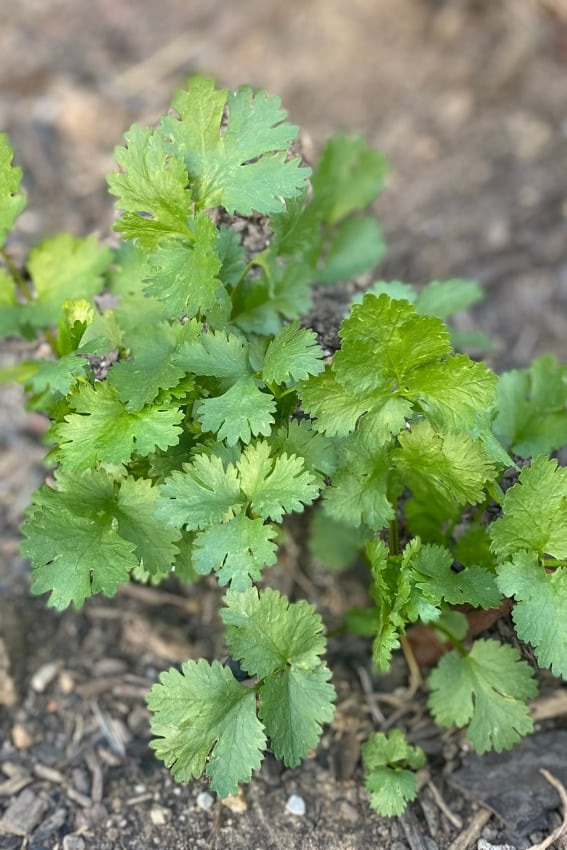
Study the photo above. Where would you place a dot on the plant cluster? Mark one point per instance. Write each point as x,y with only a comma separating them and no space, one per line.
191,412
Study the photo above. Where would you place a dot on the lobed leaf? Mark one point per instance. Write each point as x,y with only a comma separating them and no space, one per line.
204,493
275,486
75,556
243,166
267,633
12,199
292,355
485,690
103,431
539,612
242,412
237,550
535,513
205,721
151,189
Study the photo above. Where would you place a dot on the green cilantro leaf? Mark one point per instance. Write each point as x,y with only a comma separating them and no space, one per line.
125,504
12,199
103,431
532,408
56,376
236,550
267,633
285,294
335,409
62,265
282,643
294,705
535,513
443,298
384,342
337,545
185,274
539,612
242,167
449,469
397,602
389,763
359,491
231,254
215,354
457,395
139,379
338,409
151,189
205,492
348,177
356,246
205,721
75,556
300,438
137,522
433,574
292,355
275,486
485,689
242,412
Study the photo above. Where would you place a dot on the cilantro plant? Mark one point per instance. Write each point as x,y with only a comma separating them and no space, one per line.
191,412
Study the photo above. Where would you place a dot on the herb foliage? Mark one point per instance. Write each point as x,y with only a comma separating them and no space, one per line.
222,415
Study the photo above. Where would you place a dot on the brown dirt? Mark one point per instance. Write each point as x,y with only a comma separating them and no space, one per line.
469,100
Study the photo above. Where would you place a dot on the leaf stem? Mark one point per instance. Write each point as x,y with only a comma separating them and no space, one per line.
455,642
16,274
393,538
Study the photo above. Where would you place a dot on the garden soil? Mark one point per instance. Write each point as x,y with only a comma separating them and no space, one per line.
469,102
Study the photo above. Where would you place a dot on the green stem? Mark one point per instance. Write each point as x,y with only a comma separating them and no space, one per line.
457,644
51,339
16,274
554,562
393,538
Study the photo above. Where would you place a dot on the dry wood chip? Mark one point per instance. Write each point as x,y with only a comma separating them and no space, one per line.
549,707
473,830
414,833
13,785
561,830
93,765
8,693
24,814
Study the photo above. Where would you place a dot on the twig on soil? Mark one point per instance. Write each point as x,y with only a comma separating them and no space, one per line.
50,774
415,677
549,707
93,765
366,685
442,805
562,828
109,731
412,831
215,829
472,832
153,596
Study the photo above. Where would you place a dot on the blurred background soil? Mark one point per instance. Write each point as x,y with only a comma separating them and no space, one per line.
468,99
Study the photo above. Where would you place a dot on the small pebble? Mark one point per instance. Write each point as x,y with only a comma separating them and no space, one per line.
159,815
205,800
236,803
73,842
21,738
295,805
43,677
